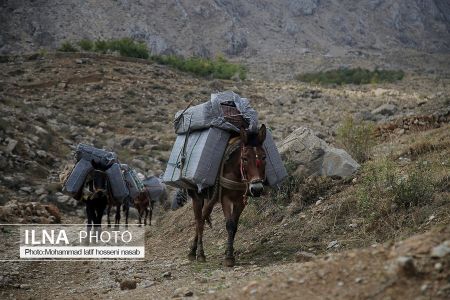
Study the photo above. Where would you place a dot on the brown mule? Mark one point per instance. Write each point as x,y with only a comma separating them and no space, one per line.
242,174
144,204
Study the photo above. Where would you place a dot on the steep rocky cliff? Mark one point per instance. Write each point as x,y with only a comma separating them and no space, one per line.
261,28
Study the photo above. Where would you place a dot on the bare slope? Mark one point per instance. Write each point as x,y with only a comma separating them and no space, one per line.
274,34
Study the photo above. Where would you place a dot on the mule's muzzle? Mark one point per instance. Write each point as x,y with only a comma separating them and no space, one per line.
256,188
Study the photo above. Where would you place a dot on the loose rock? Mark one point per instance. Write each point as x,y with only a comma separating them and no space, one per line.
128,284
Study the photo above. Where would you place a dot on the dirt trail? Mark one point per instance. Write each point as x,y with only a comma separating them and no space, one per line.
371,273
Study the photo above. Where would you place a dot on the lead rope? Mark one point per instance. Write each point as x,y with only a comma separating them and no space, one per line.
244,178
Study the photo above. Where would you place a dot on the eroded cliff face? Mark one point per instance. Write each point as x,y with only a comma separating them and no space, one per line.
262,28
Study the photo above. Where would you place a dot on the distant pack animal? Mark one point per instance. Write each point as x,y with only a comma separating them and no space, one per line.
154,191
95,194
98,197
242,173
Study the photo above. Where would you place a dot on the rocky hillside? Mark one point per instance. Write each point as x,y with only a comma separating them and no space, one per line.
275,36
51,102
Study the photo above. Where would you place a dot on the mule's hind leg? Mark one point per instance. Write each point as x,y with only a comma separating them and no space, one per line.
197,204
117,218
150,213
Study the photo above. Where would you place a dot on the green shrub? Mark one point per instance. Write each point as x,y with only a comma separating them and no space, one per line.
414,188
357,137
218,68
385,187
289,187
126,47
352,76
129,48
86,45
101,46
67,47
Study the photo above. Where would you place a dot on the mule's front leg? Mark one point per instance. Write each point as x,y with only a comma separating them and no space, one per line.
150,214
127,211
232,220
108,212
140,216
145,217
193,251
117,220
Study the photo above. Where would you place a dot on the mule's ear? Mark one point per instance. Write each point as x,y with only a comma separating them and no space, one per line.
262,134
244,136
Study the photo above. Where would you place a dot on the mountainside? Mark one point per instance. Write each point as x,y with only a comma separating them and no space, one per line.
260,31
313,242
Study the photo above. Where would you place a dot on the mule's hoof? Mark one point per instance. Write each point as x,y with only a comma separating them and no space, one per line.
201,258
229,262
191,256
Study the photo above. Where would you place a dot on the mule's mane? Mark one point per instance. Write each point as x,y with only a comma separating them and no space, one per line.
252,140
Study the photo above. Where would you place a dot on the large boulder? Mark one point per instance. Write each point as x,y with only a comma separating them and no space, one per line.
313,156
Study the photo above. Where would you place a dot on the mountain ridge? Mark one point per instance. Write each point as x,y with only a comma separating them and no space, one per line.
262,30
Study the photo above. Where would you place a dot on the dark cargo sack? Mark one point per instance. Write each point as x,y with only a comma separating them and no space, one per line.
196,163
275,170
156,188
76,179
119,189
131,184
99,156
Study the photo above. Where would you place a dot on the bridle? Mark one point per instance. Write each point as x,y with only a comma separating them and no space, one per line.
244,176
244,184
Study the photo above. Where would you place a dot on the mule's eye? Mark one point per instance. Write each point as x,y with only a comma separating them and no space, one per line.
245,160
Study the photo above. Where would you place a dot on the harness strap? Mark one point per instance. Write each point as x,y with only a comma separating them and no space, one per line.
225,183
232,185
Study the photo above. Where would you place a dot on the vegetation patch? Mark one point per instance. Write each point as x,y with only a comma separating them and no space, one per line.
386,187
67,47
352,76
125,47
288,188
86,45
357,137
217,68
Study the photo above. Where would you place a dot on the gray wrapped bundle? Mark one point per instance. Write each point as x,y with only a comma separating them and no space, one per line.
131,182
155,187
76,179
119,189
275,170
202,157
211,114
99,156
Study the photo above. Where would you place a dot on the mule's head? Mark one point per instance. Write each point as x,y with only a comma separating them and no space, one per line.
253,160
99,183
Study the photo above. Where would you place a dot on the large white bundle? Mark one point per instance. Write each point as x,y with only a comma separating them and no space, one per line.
202,157
275,170
76,179
211,114
119,189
